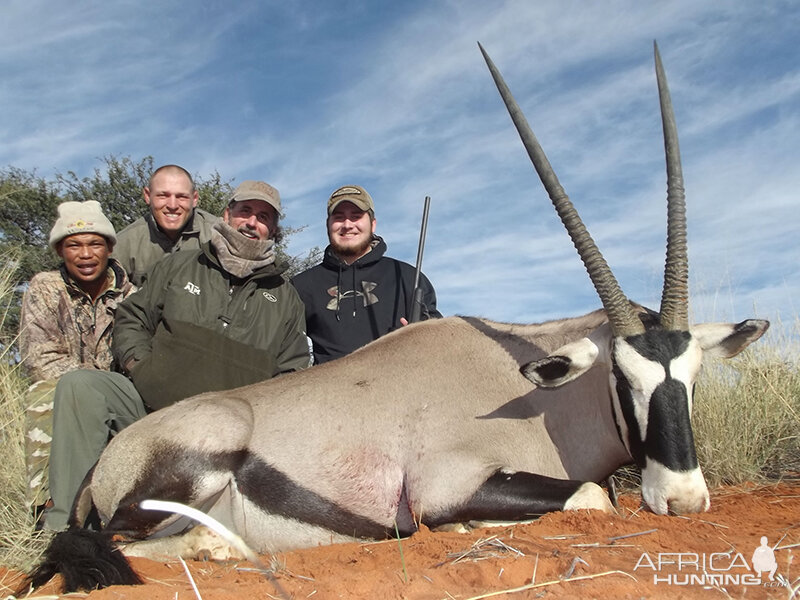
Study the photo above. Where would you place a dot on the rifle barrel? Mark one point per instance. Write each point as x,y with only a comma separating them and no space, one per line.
416,306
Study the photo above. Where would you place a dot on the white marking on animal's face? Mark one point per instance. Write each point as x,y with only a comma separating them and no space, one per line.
678,492
686,367
643,376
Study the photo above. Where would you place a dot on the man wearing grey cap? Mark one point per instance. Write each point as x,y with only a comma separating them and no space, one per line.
212,319
65,324
357,293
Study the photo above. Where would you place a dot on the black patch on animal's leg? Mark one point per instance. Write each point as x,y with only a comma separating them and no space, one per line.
171,476
273,492
511,497
268,488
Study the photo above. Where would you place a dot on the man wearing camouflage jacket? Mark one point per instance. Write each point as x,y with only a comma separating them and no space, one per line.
66,323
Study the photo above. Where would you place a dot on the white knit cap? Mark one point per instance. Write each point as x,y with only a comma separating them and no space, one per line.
81,217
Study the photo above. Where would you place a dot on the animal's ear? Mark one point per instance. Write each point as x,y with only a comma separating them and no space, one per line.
563,365
725,340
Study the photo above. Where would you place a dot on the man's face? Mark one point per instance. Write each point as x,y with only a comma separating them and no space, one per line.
254,219
350,231
171,200
85,256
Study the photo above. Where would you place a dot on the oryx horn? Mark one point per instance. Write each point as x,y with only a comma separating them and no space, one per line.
675,297
623,319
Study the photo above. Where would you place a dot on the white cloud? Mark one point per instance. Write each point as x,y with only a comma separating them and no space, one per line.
311,96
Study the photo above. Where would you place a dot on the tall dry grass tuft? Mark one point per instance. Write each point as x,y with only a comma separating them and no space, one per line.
747,413
20,545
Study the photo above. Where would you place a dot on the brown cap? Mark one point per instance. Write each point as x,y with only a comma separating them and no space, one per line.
351,193
256,190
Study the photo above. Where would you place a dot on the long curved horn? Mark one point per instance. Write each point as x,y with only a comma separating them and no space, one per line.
675,297
623,319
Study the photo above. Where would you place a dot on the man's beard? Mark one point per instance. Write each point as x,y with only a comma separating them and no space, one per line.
351,252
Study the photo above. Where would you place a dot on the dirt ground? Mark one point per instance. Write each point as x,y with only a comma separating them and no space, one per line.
582,554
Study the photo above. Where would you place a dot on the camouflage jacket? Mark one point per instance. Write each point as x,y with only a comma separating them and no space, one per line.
61,329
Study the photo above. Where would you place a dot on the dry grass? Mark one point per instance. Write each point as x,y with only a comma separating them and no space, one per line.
747,414
20,545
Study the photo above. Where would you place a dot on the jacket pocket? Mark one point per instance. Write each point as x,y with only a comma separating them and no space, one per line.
188,360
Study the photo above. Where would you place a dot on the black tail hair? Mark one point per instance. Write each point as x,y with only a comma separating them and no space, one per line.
86,559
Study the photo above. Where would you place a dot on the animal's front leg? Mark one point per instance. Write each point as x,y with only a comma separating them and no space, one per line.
199,543
523,496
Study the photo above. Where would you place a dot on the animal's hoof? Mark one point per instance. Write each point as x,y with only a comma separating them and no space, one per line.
590,495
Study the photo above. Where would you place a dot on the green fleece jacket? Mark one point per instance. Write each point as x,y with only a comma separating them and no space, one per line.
142,243
195,328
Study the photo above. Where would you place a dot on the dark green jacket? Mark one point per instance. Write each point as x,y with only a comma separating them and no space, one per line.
194,328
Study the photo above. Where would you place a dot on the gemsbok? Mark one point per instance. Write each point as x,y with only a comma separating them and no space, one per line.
444,421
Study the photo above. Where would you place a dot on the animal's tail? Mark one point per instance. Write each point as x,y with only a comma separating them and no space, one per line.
86,559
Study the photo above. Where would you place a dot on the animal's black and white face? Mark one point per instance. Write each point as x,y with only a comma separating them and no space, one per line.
653,379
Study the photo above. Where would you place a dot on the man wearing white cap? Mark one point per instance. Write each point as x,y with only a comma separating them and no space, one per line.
212,319
66,322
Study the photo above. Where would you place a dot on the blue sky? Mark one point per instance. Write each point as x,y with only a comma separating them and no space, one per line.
395,96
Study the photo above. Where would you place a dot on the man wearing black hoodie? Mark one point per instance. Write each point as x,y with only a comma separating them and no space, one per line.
357,294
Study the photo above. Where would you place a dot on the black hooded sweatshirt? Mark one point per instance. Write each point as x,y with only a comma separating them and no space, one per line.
348,306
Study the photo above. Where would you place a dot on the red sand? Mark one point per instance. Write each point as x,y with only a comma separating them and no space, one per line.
578,554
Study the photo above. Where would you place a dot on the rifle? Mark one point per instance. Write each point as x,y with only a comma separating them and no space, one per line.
416,306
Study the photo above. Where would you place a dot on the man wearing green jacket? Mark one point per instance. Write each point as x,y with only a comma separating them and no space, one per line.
173,223
212,319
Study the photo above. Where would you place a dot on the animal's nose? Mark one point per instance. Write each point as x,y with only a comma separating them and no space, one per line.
694,503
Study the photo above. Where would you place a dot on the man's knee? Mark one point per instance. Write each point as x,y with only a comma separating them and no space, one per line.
81,392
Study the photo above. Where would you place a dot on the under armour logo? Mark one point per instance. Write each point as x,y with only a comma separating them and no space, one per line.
367,294
192,288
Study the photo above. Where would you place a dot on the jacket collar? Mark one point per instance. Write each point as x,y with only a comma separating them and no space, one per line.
188,229
115,270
